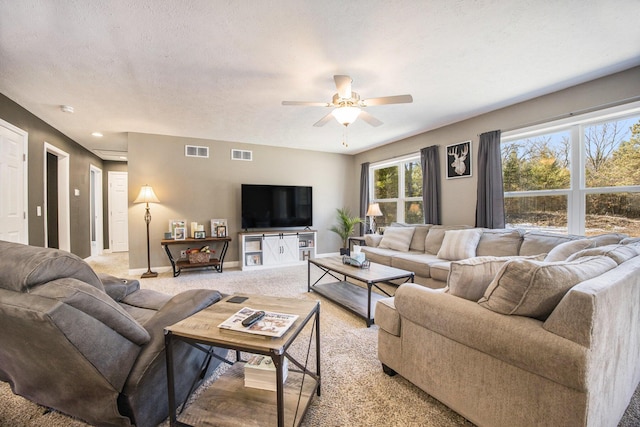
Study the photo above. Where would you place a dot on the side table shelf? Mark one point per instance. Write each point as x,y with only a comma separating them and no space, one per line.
180,264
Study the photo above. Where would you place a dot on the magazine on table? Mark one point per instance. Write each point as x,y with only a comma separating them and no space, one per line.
271,325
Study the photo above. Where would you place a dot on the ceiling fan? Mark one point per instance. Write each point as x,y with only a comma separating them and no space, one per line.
348,106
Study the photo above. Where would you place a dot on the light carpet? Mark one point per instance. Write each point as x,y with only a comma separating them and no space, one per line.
355,391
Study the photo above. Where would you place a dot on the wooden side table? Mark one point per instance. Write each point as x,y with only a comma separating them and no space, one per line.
179,264
356,240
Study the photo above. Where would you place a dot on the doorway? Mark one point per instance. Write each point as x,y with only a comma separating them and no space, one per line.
14,225
57,223
95,210
118,211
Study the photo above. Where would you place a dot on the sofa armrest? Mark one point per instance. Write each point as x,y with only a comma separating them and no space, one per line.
516,340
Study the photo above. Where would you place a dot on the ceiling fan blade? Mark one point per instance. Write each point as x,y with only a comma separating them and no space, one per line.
397,99
323,121
369,119
308,104
343,84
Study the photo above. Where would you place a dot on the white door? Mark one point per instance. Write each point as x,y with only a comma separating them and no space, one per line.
118,215
13,184
95,210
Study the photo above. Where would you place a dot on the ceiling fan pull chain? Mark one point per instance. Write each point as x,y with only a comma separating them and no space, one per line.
344,136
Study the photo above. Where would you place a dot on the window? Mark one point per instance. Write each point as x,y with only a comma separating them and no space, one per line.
578,176
397,187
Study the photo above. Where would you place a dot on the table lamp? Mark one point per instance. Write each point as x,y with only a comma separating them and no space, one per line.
372,212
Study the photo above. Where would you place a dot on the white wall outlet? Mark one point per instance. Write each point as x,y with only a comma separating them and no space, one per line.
183,254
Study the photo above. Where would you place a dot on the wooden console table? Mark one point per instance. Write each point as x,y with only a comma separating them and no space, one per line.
179,264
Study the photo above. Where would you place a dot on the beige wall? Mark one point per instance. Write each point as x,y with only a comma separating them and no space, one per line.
459,195
198,189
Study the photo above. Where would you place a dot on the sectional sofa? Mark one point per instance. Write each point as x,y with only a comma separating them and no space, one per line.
533,339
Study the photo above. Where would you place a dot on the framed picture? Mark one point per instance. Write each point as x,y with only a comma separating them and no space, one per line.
302,243
253,259
215,223
459,160
180,233
199,234
221,231
176,223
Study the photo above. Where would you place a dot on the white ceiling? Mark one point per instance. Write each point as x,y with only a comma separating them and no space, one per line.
219,69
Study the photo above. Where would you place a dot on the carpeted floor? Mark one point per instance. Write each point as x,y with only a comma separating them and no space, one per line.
355,391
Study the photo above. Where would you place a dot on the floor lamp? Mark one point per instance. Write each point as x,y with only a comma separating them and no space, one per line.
147,195
372,212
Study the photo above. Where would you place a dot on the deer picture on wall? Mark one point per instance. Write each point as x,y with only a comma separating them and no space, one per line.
459,160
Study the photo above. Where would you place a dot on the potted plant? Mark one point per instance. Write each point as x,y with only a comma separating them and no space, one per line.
345,227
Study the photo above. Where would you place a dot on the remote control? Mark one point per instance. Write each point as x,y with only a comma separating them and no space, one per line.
253,318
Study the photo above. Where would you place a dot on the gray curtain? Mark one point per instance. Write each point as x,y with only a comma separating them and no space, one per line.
490,203
364,195
430,161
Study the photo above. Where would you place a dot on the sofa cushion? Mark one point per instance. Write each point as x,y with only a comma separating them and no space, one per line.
533,288
618,253
470,278
499,242
566,249
435,236
459,244
397,238
419,236
380,255
419,263
440,270
541,242
608,238
40,265
96,304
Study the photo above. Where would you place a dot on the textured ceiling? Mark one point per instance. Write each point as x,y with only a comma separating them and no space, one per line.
219,69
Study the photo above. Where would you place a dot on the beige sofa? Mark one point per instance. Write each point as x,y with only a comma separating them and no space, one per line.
549,343
417,248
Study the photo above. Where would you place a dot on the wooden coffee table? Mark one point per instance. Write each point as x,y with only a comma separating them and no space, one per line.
354,298
228,402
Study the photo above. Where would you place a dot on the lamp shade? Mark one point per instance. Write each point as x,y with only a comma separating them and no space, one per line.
146,195
346,115
374,210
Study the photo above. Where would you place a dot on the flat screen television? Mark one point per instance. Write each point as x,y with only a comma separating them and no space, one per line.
276,206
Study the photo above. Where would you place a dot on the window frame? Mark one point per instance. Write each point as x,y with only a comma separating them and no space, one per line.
577,191
401,199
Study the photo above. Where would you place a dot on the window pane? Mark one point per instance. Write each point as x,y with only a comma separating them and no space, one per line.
540,212
613,213
612,153
413,213
537,163
412,179
389,214
386,183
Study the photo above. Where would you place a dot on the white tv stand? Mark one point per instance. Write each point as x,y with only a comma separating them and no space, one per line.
272,248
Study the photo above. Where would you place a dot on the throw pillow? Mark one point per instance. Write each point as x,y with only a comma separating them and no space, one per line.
397,238
566,249
534,288
470,278
459,244
618,253
434,238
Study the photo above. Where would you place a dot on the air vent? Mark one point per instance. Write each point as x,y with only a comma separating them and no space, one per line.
195,151
245,155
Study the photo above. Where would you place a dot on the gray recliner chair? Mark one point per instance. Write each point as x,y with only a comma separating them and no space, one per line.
92,347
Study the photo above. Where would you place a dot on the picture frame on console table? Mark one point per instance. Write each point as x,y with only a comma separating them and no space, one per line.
221,231
459,160
180,233
215,223
176,223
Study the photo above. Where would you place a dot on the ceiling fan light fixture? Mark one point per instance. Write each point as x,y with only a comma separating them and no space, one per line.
346,115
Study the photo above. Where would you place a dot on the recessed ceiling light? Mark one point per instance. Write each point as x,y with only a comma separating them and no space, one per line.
97,134
66,109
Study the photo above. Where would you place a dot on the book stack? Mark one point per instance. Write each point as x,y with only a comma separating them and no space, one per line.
260,372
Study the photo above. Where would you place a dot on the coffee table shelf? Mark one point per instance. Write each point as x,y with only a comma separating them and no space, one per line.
360,301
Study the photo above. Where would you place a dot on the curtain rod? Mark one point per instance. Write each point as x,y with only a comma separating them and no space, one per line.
574,113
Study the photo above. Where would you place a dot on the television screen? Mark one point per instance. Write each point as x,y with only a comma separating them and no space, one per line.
276,206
